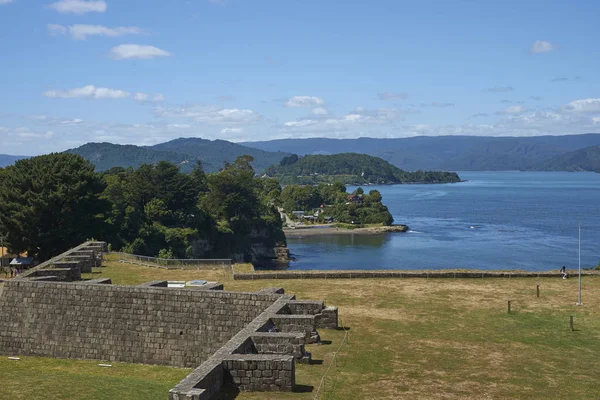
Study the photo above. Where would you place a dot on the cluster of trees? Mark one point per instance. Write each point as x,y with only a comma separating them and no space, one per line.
363,209
350,168
51,203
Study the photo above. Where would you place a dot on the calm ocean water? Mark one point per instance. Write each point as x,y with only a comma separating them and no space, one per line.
496,220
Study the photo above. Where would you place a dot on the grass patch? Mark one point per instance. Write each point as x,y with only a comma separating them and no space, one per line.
408,338
49,378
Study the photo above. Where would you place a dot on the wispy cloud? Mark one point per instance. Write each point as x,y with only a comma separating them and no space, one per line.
79,6
136,51
437,104
304,101
211,114
392,96
146,98
89,91
541,46
320,111
591,105
512,110
479,115
536,98
566,79
500,89
81,32
2,2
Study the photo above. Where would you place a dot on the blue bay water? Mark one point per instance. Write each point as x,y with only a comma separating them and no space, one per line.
495,220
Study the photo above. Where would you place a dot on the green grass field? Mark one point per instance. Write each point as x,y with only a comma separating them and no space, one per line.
408,339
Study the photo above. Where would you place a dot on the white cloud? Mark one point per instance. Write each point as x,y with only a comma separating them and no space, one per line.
229,131
591,105
211,114
500,89
320,111
136,51
437,104
146,98
541,46
79,6
392,96
179,126
56,30
5,2
512,110
304,101
89,91
81,32
301,123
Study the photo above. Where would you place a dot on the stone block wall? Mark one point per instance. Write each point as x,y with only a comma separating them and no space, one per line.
79,259
281,343
167,326
261,373
328,318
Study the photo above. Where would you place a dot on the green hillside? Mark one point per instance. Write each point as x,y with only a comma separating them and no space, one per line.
105,156
182,152
215,152
586,159
350,168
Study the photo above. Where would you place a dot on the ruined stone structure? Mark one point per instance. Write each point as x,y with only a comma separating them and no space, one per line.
250,340
69,266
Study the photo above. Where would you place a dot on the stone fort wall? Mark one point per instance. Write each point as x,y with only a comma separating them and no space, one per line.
150,325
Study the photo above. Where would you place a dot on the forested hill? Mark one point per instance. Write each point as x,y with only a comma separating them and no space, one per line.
183,152
446,153
215,152
586,159
350,168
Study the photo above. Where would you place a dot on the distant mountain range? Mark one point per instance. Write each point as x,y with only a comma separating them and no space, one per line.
586,159
6,160
448,153
444,153
183,152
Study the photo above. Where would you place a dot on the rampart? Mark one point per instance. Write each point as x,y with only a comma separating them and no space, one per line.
350,274
152,325
68,266
249,340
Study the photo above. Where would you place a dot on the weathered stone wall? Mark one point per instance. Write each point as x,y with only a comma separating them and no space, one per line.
344,274
149,325
68,266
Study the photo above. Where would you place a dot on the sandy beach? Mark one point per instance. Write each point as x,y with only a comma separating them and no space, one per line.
324,230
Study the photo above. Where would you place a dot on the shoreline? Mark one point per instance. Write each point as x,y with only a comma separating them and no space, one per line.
327,230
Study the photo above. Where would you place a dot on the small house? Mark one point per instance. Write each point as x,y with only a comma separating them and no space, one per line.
22,262
354,198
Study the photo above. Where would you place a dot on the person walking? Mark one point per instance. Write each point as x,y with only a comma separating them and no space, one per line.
563,271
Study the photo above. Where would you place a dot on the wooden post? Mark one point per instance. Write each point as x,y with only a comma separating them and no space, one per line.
538,290
508,306
571,323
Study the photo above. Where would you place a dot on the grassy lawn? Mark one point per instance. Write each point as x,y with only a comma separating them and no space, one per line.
408,338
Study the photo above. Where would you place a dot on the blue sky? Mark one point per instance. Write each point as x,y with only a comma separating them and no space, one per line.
146,71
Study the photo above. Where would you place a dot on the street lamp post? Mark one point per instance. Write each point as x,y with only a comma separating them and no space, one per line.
579,303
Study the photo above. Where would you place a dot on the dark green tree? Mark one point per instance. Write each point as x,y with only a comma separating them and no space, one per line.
50,203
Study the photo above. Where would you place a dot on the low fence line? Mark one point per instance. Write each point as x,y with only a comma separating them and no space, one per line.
166,263
332,362
403,274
